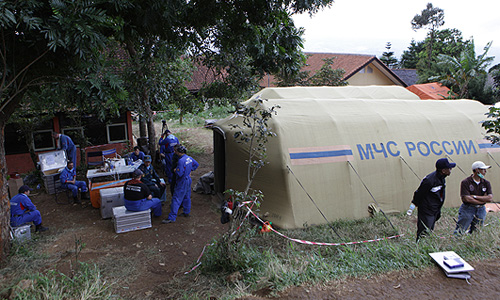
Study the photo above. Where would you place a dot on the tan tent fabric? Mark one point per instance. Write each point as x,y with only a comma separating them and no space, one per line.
322,131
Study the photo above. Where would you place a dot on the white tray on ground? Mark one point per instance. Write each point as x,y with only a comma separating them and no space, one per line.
439,259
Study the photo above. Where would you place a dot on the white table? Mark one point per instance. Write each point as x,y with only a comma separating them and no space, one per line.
115,172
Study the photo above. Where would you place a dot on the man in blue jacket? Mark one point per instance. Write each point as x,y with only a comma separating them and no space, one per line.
137,154
137,195
167,143
151,178
22,210
68,181
182,190
429,197
65,143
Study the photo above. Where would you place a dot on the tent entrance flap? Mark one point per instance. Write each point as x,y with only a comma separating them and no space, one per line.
219,161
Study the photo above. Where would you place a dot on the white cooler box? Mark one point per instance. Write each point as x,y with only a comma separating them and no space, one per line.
126,220
111,197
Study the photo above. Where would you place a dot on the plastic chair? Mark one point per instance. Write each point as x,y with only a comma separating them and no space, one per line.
60,189
95,158
110,152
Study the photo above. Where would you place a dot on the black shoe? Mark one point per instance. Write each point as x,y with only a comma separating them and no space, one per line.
167,221
76,200
185,215
86,196
40,228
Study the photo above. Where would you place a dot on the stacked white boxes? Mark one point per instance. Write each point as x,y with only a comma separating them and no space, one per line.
110,197
126,220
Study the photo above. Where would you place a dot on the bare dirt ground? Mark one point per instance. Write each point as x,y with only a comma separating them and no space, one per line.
152,258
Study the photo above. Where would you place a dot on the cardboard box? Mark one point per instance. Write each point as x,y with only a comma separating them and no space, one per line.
14,185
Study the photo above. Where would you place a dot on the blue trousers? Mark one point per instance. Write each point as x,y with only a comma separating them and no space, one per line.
71,155
144,204
74,187
470,216
182,196
31,216
168,166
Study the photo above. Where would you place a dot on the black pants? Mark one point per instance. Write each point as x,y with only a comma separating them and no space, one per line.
426,221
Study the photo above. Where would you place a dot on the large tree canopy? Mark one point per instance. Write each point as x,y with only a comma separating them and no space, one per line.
47,41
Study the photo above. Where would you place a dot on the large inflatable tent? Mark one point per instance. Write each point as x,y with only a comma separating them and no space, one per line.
349,147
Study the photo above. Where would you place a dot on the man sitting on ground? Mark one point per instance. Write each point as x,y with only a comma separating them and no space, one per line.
22,210
68,181
137,196
151,178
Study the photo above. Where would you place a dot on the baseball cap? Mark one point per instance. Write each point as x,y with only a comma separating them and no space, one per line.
137,172
443,163
147,158
24,188
479,165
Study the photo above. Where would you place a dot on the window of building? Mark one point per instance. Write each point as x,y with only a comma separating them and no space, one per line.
76,135
369,69
117,132
42,140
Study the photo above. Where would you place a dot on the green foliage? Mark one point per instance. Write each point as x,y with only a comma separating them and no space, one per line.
431,17
254,131
87,283
388,57
461,71
325,76
492,125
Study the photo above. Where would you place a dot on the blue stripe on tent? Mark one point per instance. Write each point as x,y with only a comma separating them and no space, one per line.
318,154
488,145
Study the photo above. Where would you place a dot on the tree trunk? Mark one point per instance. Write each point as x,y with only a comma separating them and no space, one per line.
151,135
142,127
4,199
5,114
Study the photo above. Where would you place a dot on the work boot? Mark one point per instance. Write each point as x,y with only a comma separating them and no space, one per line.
76,200
85,196
40,228
185,215
167,221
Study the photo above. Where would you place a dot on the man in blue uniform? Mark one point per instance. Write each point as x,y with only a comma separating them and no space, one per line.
22,210
429,197
137,196
167,143
137,154
68,181
151,178
475,192
65,143
182,190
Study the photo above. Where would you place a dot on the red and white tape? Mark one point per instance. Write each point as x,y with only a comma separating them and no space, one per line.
320,243
198,262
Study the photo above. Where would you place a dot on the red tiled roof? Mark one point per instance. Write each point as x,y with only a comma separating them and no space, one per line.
429,91
351,63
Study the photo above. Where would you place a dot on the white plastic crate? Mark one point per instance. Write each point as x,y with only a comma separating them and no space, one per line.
125,220
110,197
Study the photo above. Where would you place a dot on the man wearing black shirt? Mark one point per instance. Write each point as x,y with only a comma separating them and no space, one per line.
429,197
138,197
